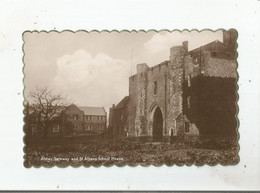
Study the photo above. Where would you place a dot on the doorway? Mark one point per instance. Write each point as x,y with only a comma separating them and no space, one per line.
157,125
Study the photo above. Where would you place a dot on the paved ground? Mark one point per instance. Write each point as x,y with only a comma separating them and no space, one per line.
121,153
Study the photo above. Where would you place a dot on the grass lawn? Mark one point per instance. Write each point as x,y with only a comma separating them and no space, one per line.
122,153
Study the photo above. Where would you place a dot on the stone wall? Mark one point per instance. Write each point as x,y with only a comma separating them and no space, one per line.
211,86
141,106
176,77
212,105
168,76
191,67
157,74
218,67
185,74
131,107
118,124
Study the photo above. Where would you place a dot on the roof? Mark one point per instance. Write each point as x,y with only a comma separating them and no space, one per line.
122,103
93,110
209,46
35,109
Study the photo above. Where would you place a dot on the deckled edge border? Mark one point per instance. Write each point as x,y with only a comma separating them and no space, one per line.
132,165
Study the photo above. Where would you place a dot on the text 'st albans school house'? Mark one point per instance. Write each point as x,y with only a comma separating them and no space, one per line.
191,94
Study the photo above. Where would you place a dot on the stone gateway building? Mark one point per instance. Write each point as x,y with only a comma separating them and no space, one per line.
191,94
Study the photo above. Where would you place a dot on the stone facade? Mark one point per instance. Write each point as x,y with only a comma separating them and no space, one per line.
171,93
159,87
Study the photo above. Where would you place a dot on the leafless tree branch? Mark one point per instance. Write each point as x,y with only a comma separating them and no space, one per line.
46,104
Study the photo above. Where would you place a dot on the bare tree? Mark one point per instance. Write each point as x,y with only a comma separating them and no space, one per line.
47,105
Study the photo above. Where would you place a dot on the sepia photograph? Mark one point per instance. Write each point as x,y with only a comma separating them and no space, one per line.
130,98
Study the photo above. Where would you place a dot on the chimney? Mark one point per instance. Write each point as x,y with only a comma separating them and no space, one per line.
113,105
185,45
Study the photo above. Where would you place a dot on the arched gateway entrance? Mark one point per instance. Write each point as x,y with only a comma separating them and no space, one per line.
157,125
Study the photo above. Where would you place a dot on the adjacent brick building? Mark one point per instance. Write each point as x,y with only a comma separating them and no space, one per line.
95,119
67,122
118,119
191,94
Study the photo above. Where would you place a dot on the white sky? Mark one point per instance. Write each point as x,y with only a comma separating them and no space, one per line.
92,69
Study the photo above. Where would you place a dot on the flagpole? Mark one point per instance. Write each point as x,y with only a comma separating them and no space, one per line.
132,62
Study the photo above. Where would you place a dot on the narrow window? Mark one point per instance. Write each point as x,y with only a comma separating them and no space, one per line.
187,127
55,128
213,54
155,87
188,101
189,80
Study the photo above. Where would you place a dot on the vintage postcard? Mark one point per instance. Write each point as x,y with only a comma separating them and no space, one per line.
130,98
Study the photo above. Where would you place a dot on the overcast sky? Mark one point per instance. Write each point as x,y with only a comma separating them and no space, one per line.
92,69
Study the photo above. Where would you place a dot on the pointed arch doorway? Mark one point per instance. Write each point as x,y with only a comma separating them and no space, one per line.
157,125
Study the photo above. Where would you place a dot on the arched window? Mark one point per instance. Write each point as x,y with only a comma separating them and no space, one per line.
155,87
187,127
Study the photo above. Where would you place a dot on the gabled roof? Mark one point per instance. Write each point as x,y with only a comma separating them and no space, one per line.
100,111
35,109
122,103
93,110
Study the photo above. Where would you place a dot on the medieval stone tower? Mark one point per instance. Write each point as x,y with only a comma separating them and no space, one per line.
156,97
141,106
185,96
176,79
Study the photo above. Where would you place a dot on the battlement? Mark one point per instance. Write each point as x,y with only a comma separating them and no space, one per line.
177,51
143,67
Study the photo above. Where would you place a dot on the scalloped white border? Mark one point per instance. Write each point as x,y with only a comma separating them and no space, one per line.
18,16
